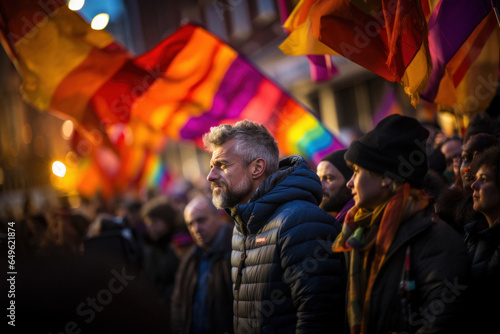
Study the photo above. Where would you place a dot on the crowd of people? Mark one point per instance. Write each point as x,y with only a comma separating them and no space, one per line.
398,233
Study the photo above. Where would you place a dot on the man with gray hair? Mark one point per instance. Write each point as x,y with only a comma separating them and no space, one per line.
286,277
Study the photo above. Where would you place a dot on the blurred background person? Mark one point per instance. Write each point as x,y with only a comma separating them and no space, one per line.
452,150
476,144
159,258
480,123
109,234
70,293
133,219
202,301
435,181
454,205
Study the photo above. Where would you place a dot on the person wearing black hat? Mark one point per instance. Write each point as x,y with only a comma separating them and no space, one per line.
407,271
334,174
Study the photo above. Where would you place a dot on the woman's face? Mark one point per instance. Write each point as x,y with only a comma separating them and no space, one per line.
486,194
474,146
368,189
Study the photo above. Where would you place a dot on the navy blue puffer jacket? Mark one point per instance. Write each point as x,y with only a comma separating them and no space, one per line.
286,277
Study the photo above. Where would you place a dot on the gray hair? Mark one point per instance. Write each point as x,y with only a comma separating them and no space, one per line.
252,141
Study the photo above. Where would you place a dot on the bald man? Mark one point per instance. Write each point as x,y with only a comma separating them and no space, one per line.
203,300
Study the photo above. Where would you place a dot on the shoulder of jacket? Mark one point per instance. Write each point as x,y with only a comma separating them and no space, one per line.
437,237
293,215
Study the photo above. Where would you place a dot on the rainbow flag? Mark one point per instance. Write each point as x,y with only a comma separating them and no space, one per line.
139,171
62,61
174,89
187,83
387,37
130,166
203,89
464,42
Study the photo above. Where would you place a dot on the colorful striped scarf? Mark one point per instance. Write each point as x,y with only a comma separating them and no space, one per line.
366,236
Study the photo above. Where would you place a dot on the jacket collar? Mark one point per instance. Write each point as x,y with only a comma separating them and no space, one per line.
474,228
294,180
410,228
220,243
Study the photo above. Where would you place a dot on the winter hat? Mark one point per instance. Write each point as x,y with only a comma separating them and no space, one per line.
436,161
479,123
394,148
336,158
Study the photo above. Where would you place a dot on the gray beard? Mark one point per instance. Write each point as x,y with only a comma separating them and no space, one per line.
224,200
229,199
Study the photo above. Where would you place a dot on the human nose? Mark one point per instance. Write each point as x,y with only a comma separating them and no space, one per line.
350,183
196,228
475,185
212,175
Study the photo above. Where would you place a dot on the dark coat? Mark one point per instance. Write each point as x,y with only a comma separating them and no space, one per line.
454,206
220,296
287,279
439,270
483,246
160,265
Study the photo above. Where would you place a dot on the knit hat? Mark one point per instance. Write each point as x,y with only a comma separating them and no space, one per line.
336,158
394,148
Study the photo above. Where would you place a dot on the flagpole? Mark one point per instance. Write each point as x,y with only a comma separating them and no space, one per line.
495,9
7,45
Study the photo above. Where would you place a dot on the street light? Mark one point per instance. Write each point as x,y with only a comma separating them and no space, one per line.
76,4
58,168
67,129
100,21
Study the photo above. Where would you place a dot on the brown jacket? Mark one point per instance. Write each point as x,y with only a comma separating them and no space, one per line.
220,296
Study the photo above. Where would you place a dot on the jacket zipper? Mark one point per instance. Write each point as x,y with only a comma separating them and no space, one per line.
239,274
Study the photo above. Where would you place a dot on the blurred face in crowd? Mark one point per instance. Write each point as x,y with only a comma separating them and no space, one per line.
203,222
231,180
368,189
476,144
335,192
468,177
452,151
155,227
486,194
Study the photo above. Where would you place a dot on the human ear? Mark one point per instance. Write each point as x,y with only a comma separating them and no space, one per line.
391,184
258,168
386,181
